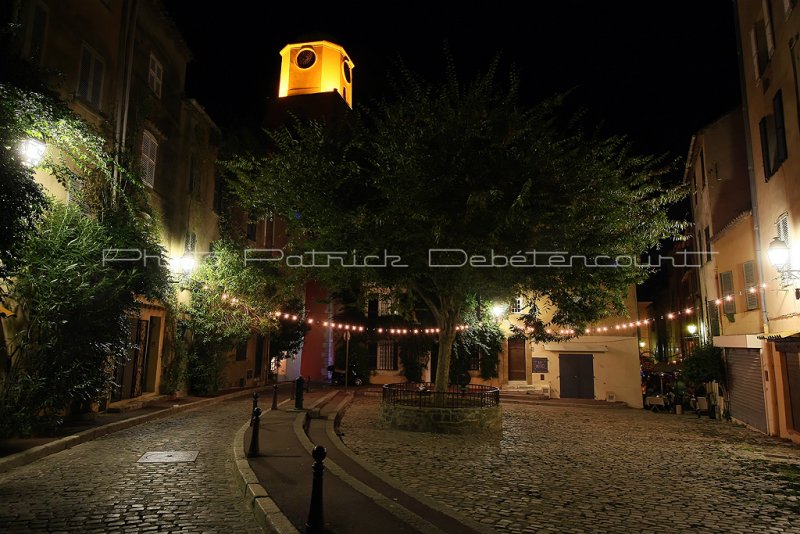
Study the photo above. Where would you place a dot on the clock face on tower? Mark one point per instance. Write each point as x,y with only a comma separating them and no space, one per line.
346,69
306,58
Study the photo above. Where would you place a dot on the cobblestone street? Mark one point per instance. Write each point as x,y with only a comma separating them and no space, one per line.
577,469
100,487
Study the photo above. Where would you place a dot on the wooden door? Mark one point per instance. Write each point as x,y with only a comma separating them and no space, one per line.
577,376
516,359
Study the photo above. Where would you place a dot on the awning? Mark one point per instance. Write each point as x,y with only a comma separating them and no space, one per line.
777,336
576,347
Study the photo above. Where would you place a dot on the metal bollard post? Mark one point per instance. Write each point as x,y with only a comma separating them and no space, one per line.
274,397
298,393
255,405
291,394
308,383
316,518
252,452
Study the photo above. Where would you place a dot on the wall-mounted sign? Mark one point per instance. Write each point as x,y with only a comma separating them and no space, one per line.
539,365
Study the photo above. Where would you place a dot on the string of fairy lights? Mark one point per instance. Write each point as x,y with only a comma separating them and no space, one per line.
597,330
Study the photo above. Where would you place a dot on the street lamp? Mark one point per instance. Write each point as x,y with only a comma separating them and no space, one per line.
497,310
780,257
32,151
187,263
778,253
692,329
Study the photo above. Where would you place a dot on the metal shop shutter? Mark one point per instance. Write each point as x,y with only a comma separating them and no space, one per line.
746,387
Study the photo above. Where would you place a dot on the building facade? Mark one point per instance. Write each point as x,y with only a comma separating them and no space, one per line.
121,66
769,58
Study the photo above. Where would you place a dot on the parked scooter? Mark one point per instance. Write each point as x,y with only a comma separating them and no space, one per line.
337,377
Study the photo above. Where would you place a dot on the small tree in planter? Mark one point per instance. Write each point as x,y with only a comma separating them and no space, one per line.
705,364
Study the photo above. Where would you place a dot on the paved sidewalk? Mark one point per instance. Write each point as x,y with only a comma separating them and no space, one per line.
99,486
284,469
580,469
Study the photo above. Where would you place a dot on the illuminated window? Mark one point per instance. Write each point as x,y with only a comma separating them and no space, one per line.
149,155
387,360
517,305
155,75
90,77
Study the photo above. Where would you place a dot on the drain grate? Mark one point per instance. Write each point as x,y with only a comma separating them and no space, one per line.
167,457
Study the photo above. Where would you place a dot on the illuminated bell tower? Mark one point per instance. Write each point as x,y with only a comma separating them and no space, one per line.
316,67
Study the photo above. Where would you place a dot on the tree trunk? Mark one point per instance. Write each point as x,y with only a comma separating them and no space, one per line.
447,334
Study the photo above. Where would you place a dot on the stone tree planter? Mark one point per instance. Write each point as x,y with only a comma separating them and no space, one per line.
417,407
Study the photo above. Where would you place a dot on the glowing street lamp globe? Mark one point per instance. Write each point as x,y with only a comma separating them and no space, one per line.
187,263
32,151
778,253
692,329
498,309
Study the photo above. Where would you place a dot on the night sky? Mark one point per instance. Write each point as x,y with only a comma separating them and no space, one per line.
657,71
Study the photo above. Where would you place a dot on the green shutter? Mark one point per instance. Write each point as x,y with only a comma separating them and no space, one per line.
751,291
728,298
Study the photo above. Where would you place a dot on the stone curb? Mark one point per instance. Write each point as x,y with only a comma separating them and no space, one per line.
395,509
266,512
35,453
331,427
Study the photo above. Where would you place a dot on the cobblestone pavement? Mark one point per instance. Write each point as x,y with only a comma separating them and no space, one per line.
577,469
99,487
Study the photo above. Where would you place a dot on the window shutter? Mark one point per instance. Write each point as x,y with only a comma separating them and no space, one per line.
728,299
97,83
149,155
83,75
763,130
38,29
768,32
780,130
751,290
713,318
754,51
783,229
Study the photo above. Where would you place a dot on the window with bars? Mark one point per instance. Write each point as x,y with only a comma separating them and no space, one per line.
190,242
155,75
241,352
384,306
750,287
517,305
475,361
149,158
90,77
726,287
387,357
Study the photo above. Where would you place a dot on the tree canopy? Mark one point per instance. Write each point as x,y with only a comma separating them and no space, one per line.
447,190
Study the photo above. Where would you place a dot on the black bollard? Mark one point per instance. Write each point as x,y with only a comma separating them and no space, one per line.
274,397
252,452
308,383
316,518
291,395
255,405
298,393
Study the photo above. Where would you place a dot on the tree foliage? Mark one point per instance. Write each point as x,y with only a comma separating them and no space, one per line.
231,299
705,364
466,167
71,299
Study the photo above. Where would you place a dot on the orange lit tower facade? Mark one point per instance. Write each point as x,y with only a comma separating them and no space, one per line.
316,82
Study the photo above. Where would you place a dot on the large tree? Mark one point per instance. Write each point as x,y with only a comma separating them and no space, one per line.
467,168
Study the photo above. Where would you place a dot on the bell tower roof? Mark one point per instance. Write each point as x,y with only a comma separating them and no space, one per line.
316,67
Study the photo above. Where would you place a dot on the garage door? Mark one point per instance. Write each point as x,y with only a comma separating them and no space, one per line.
746,387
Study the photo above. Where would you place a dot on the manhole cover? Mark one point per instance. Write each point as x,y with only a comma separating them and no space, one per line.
162,457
